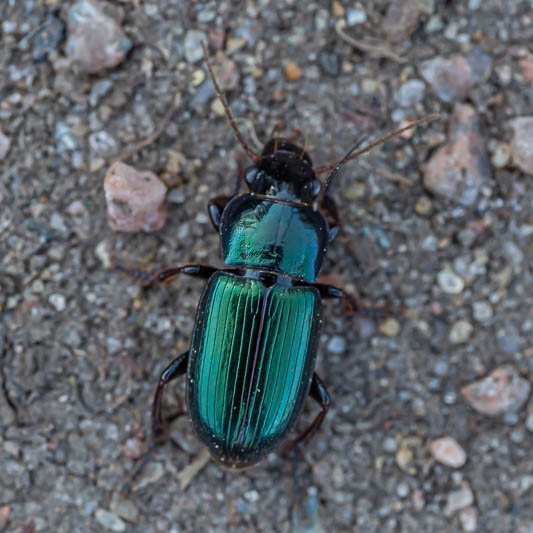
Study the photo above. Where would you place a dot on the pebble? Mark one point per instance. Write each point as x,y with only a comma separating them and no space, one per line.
458,499
125,509
329,62
411,92
226,72
152,473
468,518
423,206
459,169
337,344
197,77
501,155
402,18
75,208
402,490
58,301
47,38
529,422
5,144
100,89
503,390
5,511
218,107
96,42
450,282
192,46
109,520
448,452
522,144
102,143
292,71
355,16
390,327
133,448
460,332
508,344
482,311
135,199
453,78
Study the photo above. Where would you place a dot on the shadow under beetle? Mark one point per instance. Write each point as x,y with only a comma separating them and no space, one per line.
251,360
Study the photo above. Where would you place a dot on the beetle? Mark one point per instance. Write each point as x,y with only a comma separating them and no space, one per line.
251,360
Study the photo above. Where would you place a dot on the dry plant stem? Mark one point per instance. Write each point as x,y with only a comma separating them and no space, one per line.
152,138
376,50
402,180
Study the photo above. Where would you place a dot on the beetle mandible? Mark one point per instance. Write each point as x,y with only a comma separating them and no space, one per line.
252,355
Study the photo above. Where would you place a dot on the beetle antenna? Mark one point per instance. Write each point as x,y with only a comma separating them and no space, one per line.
354,153
224,102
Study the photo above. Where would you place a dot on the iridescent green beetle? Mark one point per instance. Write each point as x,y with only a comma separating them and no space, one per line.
251,362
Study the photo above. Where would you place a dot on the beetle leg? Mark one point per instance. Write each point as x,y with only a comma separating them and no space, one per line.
166,275
328,292
320,394
177,368
216,205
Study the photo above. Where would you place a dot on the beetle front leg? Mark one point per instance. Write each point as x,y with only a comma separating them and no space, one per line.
328,292
320,394
166,275
177,368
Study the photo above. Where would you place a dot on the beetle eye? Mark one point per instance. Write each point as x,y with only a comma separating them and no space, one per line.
250,175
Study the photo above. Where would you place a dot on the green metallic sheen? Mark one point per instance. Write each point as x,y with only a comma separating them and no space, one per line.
251,362
272,235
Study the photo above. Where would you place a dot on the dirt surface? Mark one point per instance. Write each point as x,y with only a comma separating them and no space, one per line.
82,346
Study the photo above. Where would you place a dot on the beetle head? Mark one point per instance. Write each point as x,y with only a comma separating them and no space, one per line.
284,171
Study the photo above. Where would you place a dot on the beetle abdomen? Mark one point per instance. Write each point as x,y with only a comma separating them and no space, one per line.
251,361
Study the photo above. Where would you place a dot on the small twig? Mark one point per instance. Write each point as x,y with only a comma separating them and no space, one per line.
402,180
190,471
152,138
251,130
376,50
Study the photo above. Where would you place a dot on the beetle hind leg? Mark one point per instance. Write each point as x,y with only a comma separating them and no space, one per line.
320,394
177,368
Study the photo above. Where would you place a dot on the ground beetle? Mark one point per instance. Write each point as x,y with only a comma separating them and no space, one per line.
251,361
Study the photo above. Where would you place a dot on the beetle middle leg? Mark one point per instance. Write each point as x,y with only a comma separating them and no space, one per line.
320,394
177,368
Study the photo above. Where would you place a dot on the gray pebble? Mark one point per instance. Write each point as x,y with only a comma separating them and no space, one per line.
461,332
192,45
58,301
337,344
450,282
529,422
109,520
411,92
482,311
355,16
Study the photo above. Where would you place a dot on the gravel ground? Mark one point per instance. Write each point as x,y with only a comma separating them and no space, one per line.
82,346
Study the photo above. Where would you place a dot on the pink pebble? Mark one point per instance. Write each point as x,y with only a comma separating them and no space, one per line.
95,41
522,143
501,391
448,452
135,199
